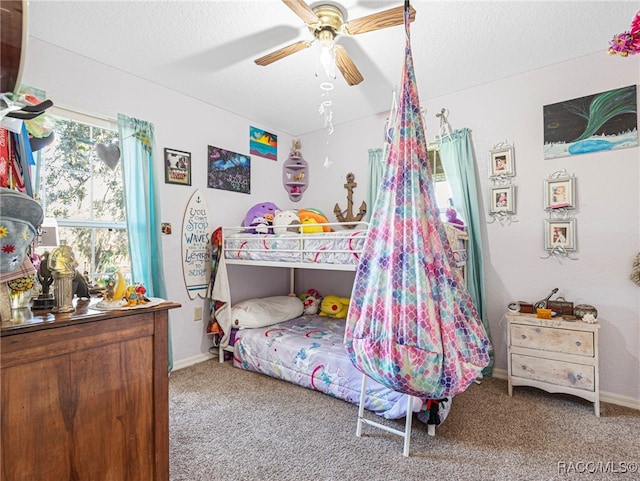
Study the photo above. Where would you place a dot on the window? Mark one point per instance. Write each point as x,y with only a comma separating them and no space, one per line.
84,194
440,183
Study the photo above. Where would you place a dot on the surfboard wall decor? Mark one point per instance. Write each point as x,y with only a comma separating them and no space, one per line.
196,240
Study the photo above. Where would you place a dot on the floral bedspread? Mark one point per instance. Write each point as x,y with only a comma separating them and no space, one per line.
309,351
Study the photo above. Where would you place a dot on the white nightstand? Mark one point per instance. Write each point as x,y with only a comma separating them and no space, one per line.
555,355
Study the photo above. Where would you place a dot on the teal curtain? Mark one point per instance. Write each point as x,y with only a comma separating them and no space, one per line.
376,166
456,155
142,204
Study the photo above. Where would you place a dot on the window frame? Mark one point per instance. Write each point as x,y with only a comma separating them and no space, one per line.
95,122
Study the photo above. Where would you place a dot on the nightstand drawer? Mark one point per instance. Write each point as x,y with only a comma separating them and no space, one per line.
553,339
561,373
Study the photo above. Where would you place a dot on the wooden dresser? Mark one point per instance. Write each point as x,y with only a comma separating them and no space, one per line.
85,395
555,355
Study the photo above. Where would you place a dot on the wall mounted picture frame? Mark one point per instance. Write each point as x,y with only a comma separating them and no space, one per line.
559,193
600,122
502,199
502,161
228,170
177,167
263,144
560,234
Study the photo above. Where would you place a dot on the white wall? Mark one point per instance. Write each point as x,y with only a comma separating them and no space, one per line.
608,213
182,123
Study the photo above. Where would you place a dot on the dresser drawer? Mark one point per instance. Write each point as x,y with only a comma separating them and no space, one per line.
561,373
553,339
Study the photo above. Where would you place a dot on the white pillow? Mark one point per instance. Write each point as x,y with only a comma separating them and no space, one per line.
265,311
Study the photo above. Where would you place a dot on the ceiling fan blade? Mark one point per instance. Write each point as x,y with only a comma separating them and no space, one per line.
346,66
376,21
283,52
302,10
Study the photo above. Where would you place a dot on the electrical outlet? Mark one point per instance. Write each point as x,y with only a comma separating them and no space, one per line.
197,313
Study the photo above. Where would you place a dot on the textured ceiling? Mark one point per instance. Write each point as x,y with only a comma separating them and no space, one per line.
205,49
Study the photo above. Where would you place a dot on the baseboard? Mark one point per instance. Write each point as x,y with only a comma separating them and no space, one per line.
190,361
605,397
626,401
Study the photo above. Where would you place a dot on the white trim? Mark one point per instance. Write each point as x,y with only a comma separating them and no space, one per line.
190,361
103,122
92,223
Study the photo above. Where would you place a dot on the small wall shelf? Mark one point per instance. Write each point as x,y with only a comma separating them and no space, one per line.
295,174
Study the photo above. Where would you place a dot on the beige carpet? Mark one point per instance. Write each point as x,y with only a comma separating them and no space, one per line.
229,424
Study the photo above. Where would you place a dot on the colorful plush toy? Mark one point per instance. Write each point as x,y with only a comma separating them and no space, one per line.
260,218
286,221
311,226
311,301
311,305
311,216
334,306
452,218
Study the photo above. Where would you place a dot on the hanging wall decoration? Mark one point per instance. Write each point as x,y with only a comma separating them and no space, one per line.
196,258
177,167
295,173
263,144
502,191
347,215
229,170
559,192
560,237
502,162
595,123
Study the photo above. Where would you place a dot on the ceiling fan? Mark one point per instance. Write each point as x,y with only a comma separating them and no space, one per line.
326,22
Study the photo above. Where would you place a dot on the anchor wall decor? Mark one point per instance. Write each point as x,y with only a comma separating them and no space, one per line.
347,215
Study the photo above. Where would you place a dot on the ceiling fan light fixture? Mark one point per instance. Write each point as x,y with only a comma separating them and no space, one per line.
328,59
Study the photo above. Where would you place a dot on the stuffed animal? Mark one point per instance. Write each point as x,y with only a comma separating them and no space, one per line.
311,305
260,218
311,301
452,218
286,221
314,216
310,226
334,306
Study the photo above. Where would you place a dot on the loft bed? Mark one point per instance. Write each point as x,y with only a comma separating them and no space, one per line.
309,349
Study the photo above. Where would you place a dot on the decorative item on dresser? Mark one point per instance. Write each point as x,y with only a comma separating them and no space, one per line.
555,355
85,394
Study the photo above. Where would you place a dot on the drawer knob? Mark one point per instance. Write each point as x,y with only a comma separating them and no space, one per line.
523,336
578,343
524,367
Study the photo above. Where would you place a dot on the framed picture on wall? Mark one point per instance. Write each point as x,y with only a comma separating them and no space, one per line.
501,161
502,199
177,167
560,234
559,193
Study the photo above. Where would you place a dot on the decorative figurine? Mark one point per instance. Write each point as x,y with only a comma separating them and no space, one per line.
62,264
347,215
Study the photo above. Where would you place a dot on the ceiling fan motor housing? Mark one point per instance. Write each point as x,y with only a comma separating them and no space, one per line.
331,20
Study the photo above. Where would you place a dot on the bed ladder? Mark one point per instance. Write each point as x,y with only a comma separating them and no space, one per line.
406,434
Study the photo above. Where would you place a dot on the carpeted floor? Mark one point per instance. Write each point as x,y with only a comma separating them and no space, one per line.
230,424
